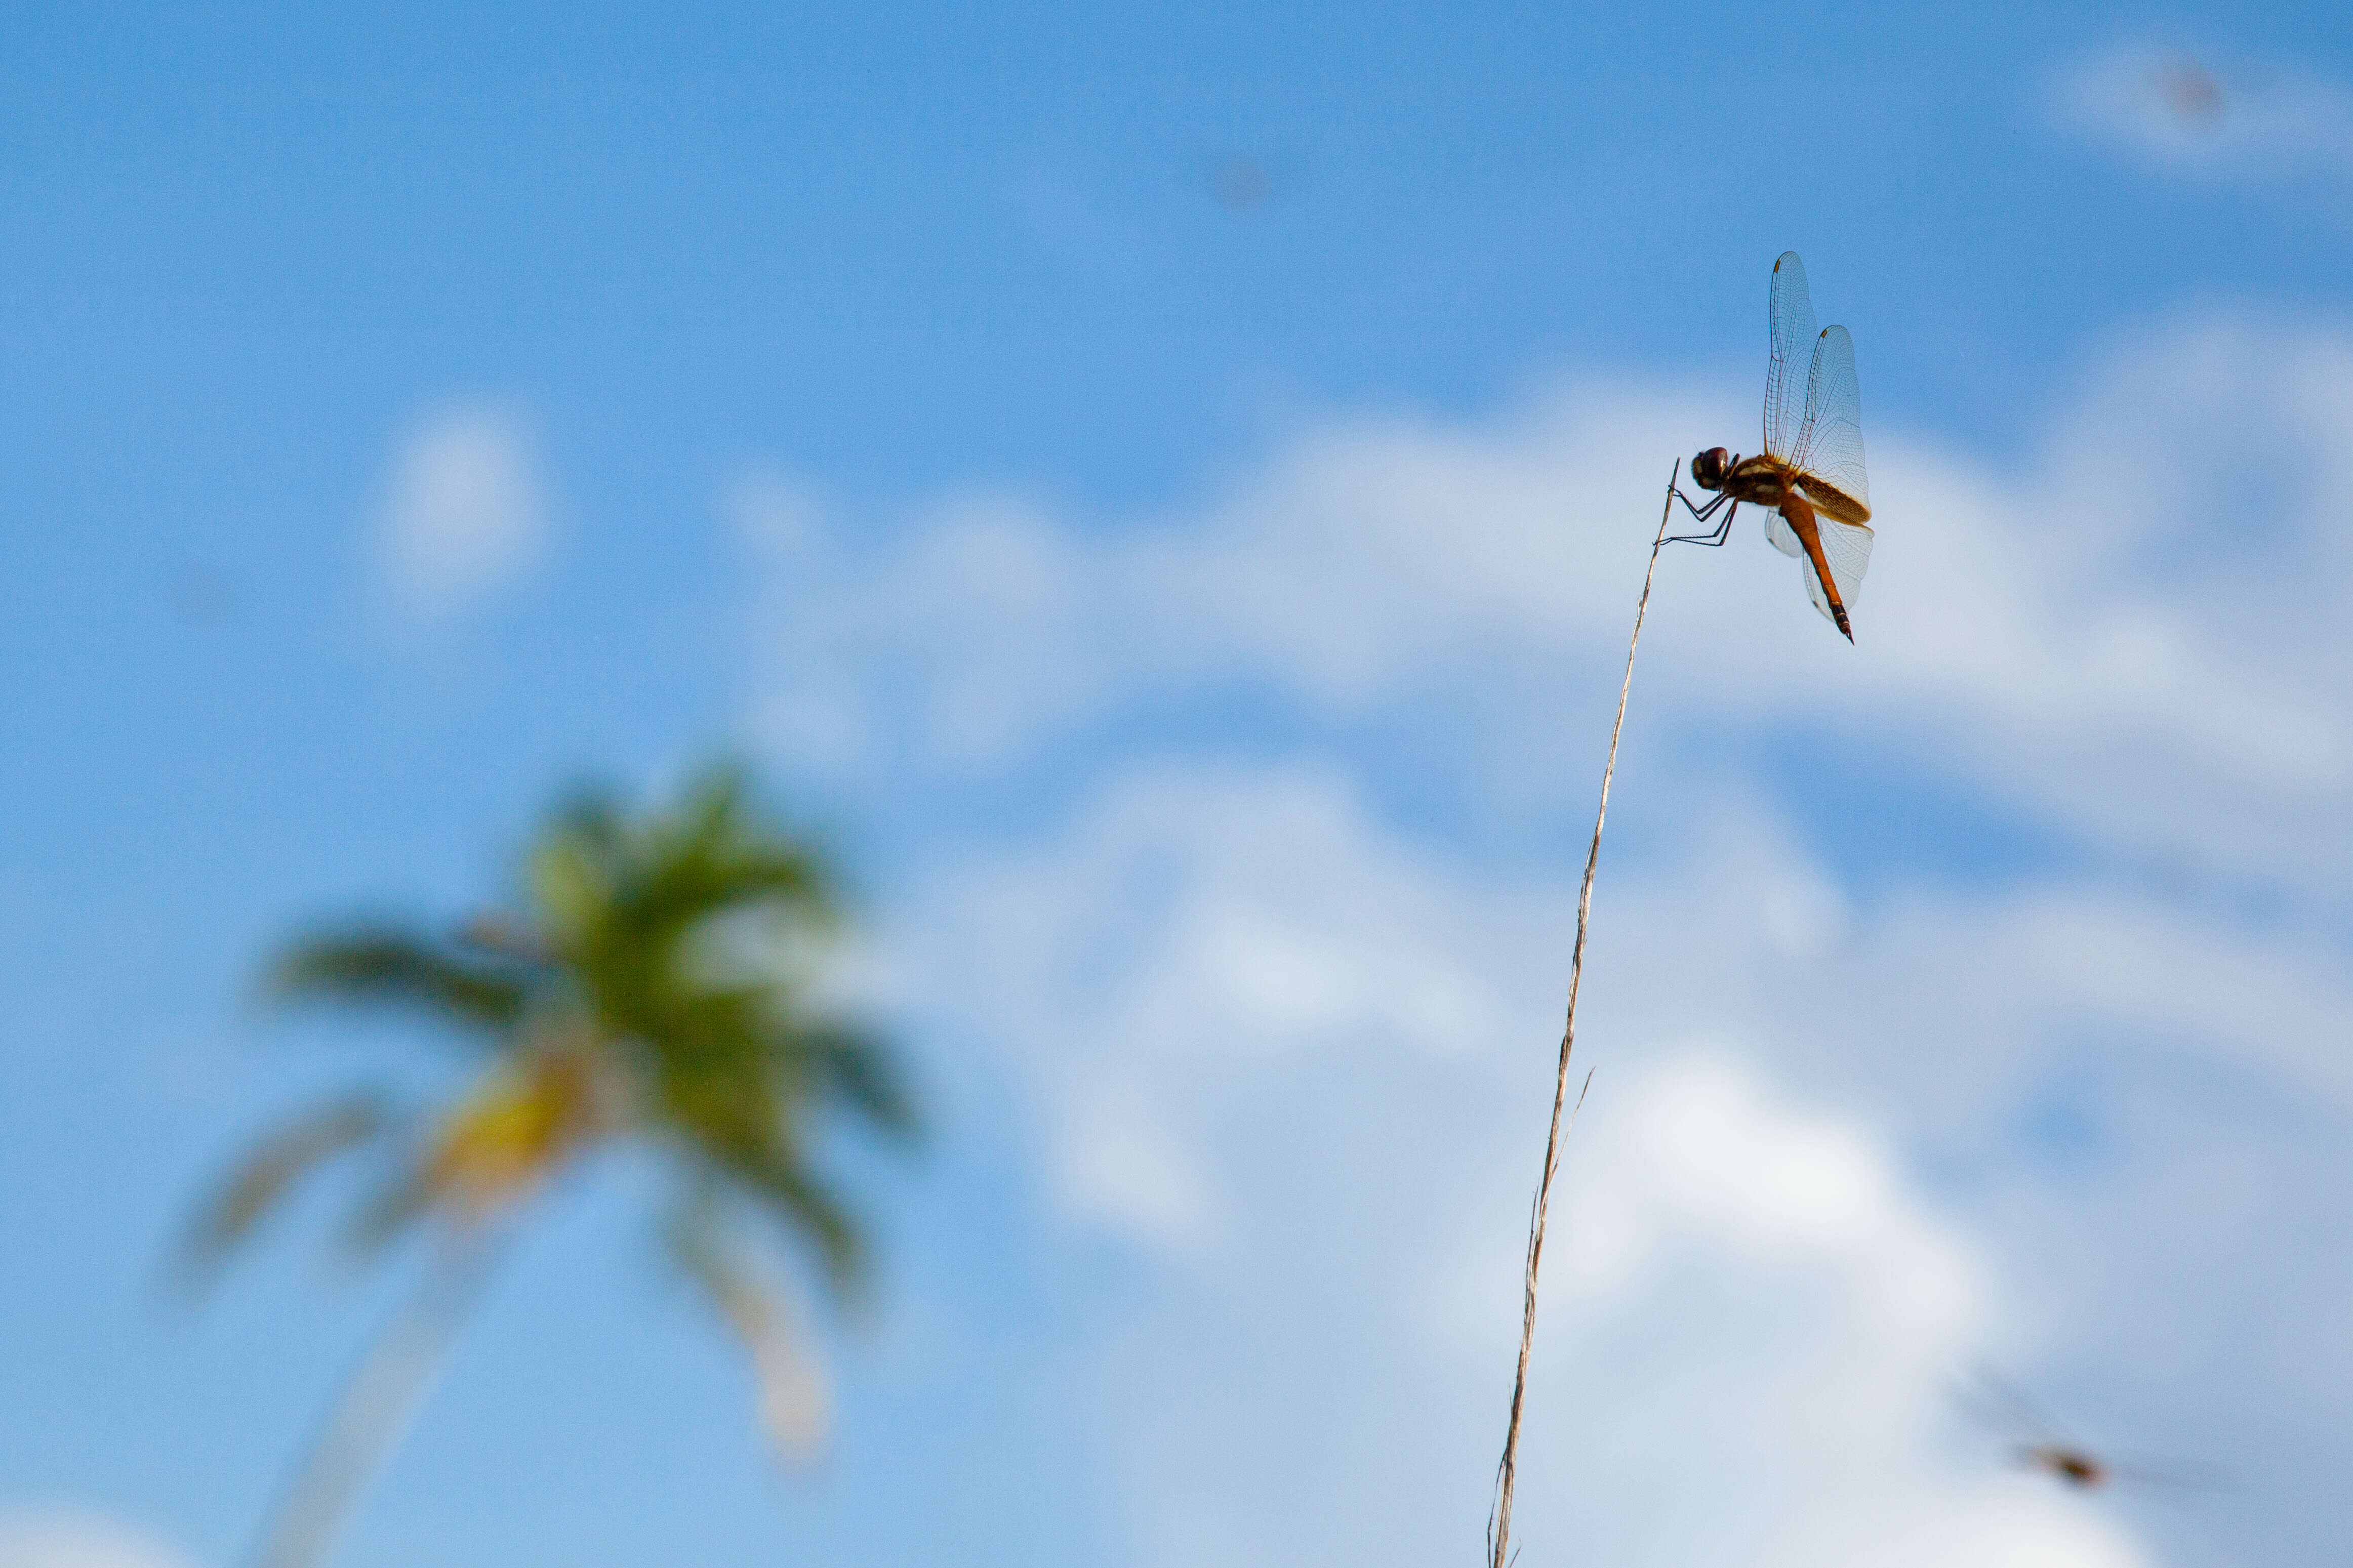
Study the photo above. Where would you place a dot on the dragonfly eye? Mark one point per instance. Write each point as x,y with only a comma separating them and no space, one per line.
1707,468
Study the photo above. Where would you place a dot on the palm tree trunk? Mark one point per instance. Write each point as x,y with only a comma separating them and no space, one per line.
378,1400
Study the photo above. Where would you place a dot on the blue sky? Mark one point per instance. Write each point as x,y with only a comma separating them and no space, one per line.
1167,488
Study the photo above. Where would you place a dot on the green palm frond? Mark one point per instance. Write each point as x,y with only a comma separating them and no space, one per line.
397,1202
661,874
270,1173
705,1246
571,871
472,986
853,1064
657,987
636,941
804,1207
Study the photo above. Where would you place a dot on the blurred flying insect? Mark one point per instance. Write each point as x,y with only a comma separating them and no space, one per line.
2041,1445
1810,472
2190,91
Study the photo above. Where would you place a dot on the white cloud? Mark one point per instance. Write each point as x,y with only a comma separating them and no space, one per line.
2213,117
1290,1039
2148,661
64,1537
1942,1004
1309,1062
1755,1288
1196,934
465,513
988,634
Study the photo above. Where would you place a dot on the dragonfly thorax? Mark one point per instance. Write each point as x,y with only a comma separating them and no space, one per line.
2072,1466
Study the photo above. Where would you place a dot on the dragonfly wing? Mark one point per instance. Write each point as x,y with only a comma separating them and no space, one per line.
1995,1401
2169,1477
1793,342
1782,536
1847,547
1829,452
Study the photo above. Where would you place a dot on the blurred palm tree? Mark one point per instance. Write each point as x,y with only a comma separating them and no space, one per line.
658,991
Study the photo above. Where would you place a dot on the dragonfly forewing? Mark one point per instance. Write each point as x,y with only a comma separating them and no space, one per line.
1793,344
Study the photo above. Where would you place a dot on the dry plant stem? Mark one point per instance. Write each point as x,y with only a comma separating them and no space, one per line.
377,1404
1499,1534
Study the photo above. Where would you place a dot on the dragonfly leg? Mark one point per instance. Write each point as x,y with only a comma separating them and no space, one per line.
1722,531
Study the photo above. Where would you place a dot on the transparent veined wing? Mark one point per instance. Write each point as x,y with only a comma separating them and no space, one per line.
1829,450
1793,344
1847,547
2001,1404
1782,537
2169,1476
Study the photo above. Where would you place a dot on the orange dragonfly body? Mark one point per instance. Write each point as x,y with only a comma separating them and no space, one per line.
1809,478
2041,1445
2072,1466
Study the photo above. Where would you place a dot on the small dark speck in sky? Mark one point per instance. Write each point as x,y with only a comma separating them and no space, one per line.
2190,91
1240,184
202,596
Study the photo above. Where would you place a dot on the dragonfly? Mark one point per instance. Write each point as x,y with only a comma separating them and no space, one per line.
1808,480
2041,1445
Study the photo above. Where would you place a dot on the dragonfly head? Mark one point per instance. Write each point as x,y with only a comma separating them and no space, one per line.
1710,466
